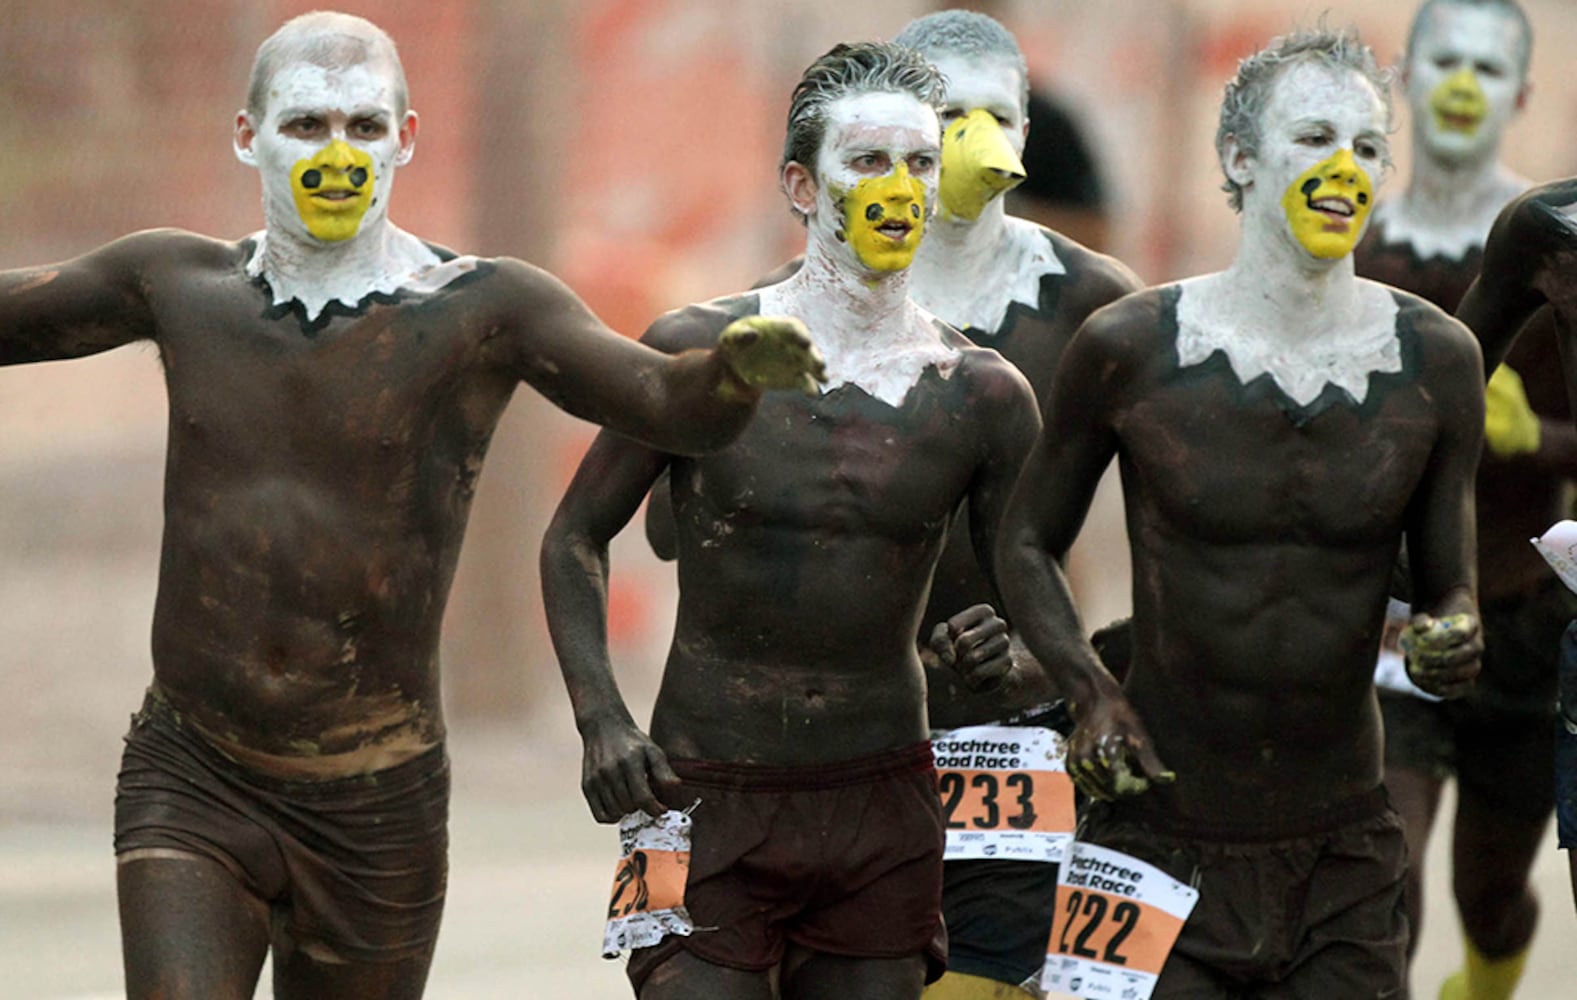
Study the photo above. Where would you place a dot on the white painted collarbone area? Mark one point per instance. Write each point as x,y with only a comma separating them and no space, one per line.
314,279
978,295
1344,354
885,357
1451,241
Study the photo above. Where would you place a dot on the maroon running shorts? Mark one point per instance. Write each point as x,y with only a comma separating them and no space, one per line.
842,858
358,864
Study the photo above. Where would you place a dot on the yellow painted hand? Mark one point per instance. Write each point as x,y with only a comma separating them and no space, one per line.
773,352
1510,425
1443,653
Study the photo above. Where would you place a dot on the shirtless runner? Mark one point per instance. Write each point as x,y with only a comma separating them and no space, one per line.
333,382
1465,75
792,707
1281,426
1021,289
1015,286
1528,264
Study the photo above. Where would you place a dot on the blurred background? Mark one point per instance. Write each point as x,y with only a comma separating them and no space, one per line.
630,146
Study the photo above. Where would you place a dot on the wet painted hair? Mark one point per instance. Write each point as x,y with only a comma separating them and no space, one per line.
1506,8
857,68
323,38
968,34
1243,105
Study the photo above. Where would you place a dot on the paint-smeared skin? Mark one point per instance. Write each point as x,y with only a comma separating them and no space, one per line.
1262,550
317,489
1033,340
1518,497
1530,260
804,549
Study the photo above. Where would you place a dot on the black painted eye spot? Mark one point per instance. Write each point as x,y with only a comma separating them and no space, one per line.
1310,186
961,134
873,212
1363,199
358,176
914,210
312,179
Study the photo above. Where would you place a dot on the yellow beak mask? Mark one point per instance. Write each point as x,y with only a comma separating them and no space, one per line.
884,218
333,190
1459,103
1327,204
978,163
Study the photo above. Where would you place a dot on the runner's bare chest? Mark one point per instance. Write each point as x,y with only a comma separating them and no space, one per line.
1226,461
846,463
358,386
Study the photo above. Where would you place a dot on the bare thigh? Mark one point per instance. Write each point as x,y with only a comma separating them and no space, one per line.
189,929
1492,854
299,975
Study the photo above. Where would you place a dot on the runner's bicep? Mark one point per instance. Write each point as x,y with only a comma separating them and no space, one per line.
72,309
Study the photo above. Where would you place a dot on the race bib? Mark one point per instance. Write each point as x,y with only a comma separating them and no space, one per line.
1116,921
647,901
1005,793
1390,669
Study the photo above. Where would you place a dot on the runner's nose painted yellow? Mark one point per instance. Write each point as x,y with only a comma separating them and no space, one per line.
978,163
333,190
884,218
1327,204
1459,103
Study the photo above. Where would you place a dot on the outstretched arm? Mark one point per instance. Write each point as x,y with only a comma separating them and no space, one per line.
690,403
621,767
78,307
1110,751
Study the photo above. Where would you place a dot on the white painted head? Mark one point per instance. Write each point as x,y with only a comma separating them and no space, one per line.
327,122
1304,141
862,155
987,84
1466,76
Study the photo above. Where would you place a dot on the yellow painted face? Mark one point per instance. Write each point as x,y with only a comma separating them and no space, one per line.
1459,103
1327,204
884,218
333,190
978,163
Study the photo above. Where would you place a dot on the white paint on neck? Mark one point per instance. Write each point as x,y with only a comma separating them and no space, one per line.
1445,211
870,332
383,261
1337,333
969,273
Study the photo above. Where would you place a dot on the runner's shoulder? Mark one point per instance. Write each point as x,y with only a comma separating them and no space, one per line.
151,250
1099,272
699,324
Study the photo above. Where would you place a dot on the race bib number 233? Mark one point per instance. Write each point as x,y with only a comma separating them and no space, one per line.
1005,793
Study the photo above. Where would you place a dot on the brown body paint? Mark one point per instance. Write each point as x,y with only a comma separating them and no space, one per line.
804,550
1033,340
317,489
1517,498
1262,548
